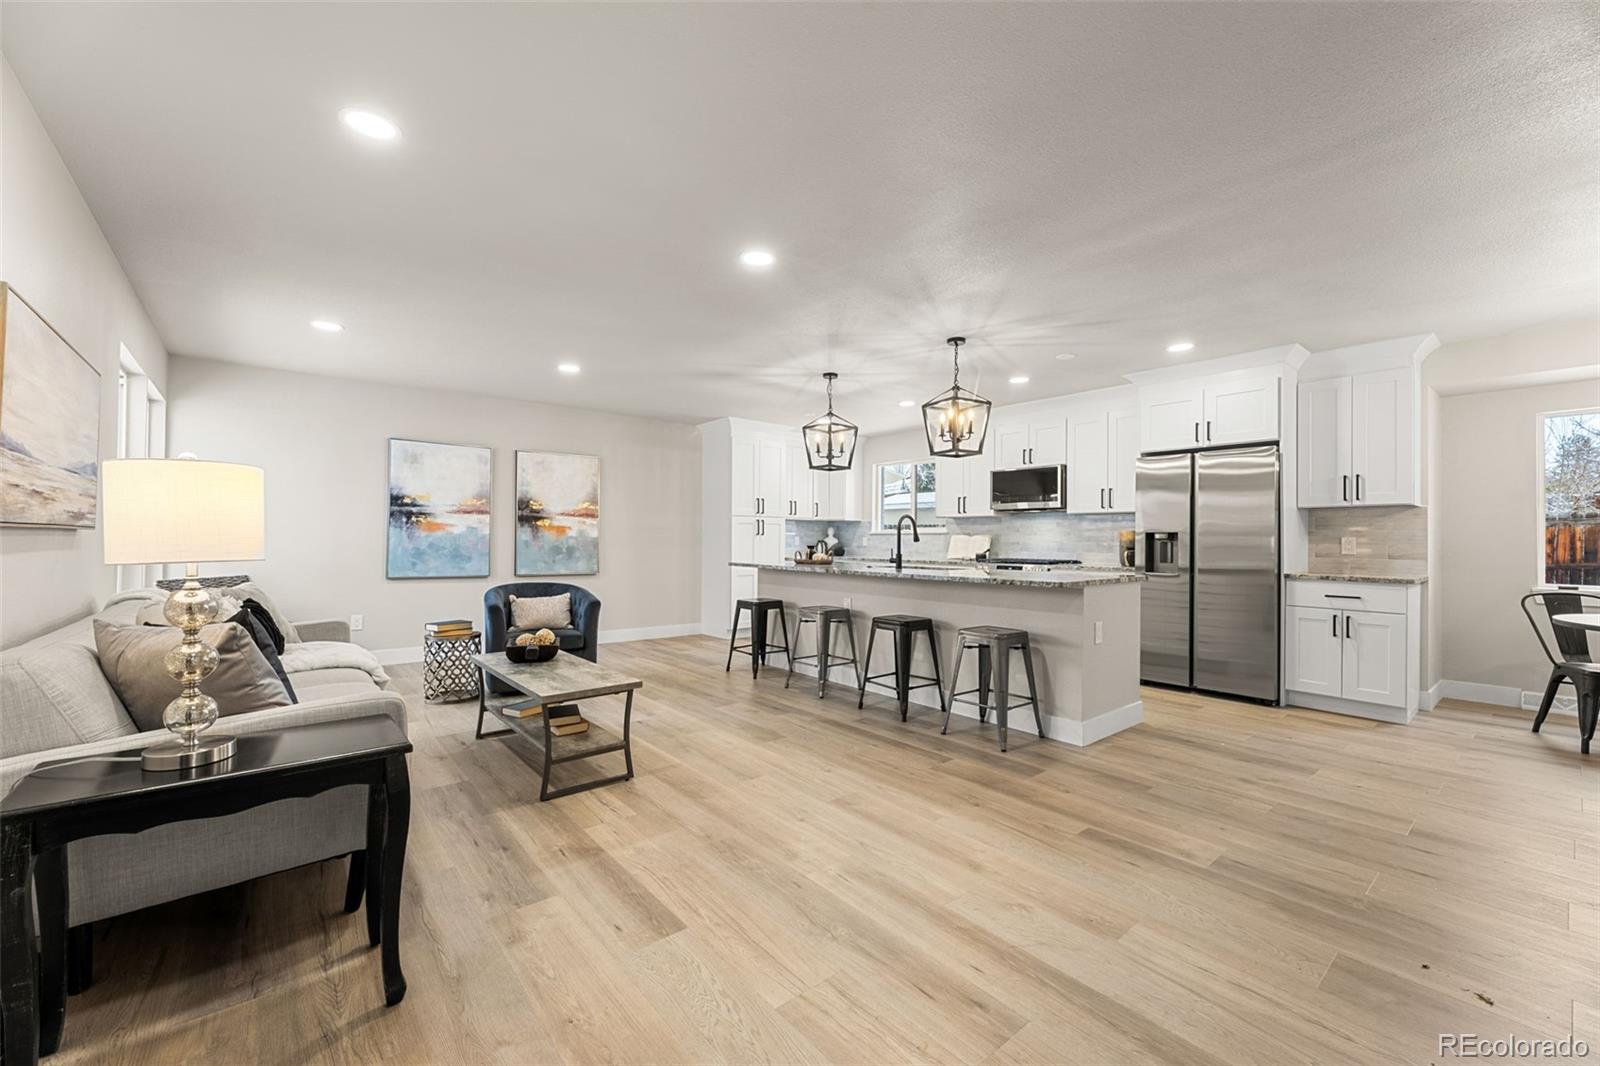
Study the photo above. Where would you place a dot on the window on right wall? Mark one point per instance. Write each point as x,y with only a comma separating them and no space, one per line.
1569,504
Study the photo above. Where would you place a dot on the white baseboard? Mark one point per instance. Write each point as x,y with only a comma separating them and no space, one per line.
1428,698
1502,696
413,654
619,636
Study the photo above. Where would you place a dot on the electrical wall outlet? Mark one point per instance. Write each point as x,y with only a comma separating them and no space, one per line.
847,603
358,622
1347,545
1099,632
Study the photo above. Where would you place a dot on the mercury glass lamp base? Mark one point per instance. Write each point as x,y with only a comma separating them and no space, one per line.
176,755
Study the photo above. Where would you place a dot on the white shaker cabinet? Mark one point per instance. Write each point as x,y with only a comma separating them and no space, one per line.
1240,411
1102,456
1384,438
758,476
1353,647
1028,438
1359,440
1224,409
961,486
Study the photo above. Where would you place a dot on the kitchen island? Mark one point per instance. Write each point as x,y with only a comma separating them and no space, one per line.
1083,623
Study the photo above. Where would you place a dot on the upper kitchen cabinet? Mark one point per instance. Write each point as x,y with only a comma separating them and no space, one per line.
838,495
1224,409
961,486
1359,425
1028,437
1102,453
799,482
758,467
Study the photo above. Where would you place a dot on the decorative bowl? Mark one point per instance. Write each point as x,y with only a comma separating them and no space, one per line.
531,653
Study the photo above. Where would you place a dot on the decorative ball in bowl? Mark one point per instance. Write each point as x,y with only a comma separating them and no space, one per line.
537,647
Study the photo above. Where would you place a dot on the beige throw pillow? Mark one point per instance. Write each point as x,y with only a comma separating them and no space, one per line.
132,658
542,612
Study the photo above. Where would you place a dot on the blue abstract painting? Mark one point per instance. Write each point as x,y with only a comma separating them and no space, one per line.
558,514
438,510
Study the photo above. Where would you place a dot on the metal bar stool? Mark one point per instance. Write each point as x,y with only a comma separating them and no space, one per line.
902,628
758,647
825,619
994,645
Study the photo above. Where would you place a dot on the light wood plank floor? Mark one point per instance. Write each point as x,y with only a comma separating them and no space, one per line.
793,880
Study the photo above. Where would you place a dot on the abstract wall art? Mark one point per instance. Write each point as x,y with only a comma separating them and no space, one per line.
438,510
558,514
49,423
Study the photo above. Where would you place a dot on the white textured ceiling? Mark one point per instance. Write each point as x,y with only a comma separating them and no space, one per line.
576,182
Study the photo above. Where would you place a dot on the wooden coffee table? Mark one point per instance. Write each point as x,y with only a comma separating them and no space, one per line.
563,680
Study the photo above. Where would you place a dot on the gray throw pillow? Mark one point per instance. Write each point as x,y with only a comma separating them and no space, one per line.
542,612
132,658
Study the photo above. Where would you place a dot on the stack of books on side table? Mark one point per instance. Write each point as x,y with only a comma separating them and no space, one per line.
451,629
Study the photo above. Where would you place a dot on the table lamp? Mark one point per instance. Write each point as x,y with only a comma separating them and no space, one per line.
191,512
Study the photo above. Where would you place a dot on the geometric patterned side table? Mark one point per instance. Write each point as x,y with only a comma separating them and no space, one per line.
448,675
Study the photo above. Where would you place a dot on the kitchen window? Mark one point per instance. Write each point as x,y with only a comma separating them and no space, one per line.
1569,497
901,489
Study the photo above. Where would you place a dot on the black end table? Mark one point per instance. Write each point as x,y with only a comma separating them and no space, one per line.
72,799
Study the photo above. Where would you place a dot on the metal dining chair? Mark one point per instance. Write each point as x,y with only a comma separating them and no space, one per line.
1575,665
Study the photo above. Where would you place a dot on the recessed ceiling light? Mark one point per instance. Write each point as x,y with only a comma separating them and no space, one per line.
326,325
568,368
369,124
1066,357
908,403
1018,379
757,258
1179,347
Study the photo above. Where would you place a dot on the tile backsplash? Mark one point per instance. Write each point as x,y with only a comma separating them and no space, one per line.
1389,541
1092,538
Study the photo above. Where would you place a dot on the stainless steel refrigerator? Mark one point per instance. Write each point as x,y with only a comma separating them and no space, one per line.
1206,528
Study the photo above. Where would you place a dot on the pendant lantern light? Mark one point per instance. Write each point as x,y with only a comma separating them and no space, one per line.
830,440
956,420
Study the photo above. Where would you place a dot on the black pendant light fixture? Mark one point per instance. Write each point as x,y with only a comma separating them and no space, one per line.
956,420
830,440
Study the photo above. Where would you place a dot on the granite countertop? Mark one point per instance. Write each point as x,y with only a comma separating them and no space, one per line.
1363,579
970,575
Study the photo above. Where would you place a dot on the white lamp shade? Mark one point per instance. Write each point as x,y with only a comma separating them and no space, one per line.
181,511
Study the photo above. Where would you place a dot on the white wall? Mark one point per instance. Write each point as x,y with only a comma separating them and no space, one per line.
1483,486
324,445
53,253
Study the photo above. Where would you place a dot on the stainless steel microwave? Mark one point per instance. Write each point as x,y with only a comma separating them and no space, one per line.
1029,488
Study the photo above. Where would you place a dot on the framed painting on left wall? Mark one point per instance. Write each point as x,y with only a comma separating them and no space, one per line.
438,509
49,423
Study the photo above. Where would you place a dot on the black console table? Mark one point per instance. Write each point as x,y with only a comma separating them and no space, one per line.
99,795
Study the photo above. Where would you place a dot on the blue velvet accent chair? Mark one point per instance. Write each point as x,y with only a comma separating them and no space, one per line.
581,638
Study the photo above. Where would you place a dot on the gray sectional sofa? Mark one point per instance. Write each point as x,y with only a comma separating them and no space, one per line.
56,704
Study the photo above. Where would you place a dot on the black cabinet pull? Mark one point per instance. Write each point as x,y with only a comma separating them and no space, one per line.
1358,486
1336,626
1345,491
1197,433
1346,627
1208,429
1111,498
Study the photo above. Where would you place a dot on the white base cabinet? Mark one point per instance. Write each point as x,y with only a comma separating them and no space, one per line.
1353,647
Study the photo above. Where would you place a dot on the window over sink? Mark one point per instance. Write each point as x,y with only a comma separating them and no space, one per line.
1569,497
903,488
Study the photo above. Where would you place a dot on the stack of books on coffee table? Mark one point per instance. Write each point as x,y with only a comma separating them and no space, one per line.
450,629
